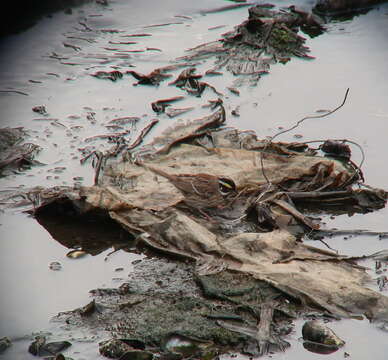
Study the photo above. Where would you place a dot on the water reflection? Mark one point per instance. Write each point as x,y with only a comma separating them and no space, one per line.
92,233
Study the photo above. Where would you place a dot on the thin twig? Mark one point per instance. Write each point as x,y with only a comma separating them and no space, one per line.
14,91
312,117
143,133
294,127
87,157
328,246
100,158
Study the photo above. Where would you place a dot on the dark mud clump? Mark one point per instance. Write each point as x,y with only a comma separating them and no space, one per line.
194,304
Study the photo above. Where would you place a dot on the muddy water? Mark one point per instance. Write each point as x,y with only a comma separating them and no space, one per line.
40,63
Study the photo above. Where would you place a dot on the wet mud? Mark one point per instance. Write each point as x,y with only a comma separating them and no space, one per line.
80,109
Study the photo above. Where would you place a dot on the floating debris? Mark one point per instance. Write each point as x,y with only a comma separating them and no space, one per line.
184,17
153,78
112,75
14,92
123,42
268,36
164,24
74,47
173,112
132,120
159,106
55,266
185,77
234,91
225,8
188,80
213,72
153,49
236,111
110,137
216,27
137,35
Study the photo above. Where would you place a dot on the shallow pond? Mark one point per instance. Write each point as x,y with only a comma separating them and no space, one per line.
50,64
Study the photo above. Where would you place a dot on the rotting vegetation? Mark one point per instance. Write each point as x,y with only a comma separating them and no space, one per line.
14,154
245,273
224,210
267,37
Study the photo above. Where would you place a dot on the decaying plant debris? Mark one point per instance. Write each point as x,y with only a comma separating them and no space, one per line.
227,213
267,37
14,154
199,193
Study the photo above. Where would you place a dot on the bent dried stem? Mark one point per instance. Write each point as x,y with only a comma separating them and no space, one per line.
294,127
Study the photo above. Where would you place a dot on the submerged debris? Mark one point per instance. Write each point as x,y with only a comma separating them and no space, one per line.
55,266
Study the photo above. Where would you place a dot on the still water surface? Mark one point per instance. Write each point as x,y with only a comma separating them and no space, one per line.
351,54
